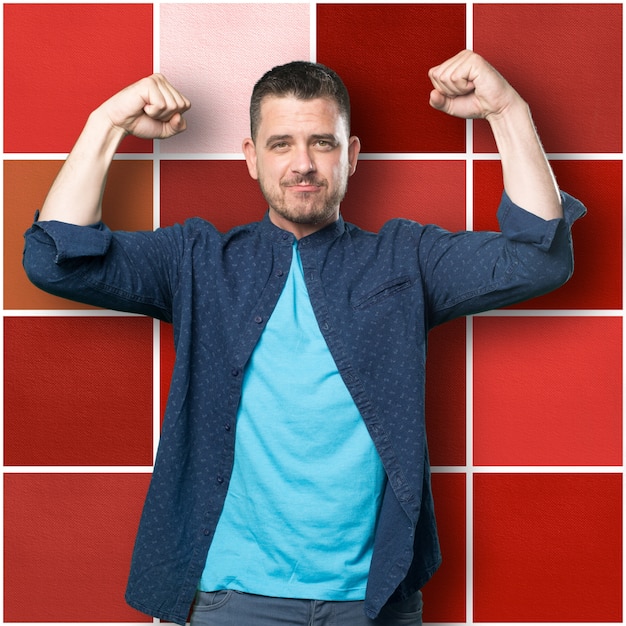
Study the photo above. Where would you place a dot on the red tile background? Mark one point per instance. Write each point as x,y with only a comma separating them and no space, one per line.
383,53
565,60
547,548
547,391
597,280
537,388
444,595
67,545
77,391
55,54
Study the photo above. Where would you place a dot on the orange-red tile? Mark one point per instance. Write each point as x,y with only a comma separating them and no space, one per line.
78,391
68,540
127,205
547,548
547,391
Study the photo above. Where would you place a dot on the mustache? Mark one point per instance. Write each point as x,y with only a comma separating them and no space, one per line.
303,180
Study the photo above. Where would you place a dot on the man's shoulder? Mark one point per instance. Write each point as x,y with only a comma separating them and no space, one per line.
395,227
201,226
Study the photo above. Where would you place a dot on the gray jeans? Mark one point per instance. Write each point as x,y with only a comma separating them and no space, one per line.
233,608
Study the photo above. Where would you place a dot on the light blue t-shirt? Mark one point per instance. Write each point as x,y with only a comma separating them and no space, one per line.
302,504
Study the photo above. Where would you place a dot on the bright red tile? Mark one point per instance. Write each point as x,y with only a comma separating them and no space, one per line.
383,53
566,61
78,391
547,391
444,594
445,394
383,190
597,237
547,548
219,191
68,540
61,61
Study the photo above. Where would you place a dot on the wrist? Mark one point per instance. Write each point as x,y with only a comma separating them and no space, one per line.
103,135
100,120
514,112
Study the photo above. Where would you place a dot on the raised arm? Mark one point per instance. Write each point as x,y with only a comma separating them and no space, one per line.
467,86
150,108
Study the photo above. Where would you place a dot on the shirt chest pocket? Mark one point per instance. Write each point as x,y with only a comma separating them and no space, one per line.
384,292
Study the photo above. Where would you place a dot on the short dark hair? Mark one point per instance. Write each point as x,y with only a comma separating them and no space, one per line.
303,80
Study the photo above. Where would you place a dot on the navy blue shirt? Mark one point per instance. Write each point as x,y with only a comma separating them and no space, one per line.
375,297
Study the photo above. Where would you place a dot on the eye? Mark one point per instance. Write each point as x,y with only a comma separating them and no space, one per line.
280,145
325,144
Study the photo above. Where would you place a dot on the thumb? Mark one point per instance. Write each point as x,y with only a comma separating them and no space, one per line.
438,100
178,123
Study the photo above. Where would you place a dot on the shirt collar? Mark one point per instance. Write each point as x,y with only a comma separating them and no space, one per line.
318,238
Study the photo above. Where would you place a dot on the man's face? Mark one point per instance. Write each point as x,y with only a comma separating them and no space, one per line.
302,157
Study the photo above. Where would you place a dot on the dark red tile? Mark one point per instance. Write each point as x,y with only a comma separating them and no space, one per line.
383,53
78,391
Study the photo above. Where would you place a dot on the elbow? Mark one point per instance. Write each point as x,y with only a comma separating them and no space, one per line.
35,272
557,273
39,263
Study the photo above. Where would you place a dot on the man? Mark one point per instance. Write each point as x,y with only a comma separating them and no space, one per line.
292,482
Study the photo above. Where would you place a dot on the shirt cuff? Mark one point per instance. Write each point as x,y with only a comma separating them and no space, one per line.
72,241
518,224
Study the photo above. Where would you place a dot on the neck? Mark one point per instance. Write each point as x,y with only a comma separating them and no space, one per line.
297,229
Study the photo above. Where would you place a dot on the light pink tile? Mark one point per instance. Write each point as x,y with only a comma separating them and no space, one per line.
214,53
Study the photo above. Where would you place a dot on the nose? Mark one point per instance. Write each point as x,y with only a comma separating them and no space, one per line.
302,162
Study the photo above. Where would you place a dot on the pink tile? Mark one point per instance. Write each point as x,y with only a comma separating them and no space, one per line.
214,53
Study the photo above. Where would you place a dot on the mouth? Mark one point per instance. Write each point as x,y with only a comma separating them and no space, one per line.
304,188
304,185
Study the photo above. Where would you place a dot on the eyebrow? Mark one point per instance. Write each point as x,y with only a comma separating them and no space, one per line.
330,137
274,138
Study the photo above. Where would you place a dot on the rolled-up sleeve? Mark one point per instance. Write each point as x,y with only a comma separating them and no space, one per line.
131,272
518,224
470,272
71,241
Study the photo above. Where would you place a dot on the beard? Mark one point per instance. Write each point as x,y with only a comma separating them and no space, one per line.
318,207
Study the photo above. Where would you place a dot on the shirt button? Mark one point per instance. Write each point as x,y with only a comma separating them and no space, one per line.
285,235
207,532
258,319
220,479
235,371
279,273
227,427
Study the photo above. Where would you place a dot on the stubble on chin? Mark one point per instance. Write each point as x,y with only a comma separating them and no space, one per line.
305,211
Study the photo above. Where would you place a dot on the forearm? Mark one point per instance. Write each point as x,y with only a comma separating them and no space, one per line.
76,195
528,177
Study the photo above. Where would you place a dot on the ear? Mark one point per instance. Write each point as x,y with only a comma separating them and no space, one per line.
354,148
249,151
